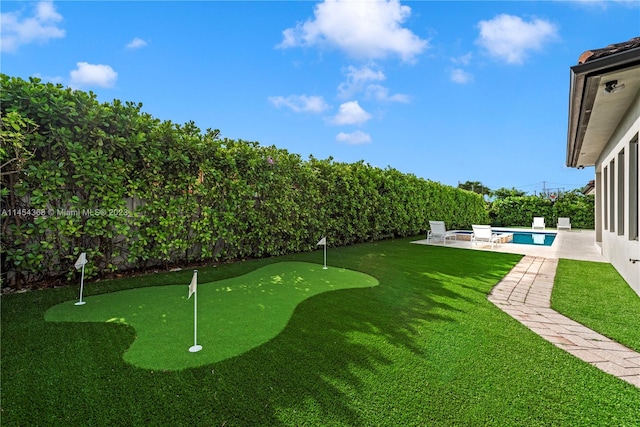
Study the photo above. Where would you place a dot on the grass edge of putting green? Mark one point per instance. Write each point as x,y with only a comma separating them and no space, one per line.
425,347
235,314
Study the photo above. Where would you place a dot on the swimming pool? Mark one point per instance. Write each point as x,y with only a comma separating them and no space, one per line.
520,237
533,238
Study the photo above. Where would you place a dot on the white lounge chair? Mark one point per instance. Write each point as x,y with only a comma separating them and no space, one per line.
484,234
564,223
538,222
439,231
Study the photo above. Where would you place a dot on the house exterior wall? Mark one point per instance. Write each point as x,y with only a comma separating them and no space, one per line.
598,206
615,189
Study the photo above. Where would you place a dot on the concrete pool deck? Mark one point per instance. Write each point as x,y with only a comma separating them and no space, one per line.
525,294
575,244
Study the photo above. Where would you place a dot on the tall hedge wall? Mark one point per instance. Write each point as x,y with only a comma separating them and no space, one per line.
520,210
133,191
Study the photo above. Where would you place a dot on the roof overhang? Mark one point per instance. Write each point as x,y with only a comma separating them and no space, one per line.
594,113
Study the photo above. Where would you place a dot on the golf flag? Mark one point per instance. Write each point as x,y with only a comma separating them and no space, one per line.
323,242
82,260
194,283
192,290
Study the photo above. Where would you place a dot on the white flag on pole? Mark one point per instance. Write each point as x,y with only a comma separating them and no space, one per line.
82,260
323,242
192,291
194,284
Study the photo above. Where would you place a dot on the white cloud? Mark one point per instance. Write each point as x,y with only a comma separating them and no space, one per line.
460,76
359,81
300,103
93,75
381,93
463,60
362,29
354,138
351,113
510,38
16,30
136,43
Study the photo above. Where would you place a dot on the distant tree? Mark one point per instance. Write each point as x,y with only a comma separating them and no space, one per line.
476,187
502,193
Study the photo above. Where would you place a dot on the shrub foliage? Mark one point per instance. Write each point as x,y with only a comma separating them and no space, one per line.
520,210
133,191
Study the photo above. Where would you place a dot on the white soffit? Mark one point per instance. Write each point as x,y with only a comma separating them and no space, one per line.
608,109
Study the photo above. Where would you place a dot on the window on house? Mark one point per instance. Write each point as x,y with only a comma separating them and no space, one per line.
620,195
605,189
634,188
612,196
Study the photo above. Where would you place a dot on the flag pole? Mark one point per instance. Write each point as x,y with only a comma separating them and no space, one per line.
195,347
323,242
81,288
325,256
82,260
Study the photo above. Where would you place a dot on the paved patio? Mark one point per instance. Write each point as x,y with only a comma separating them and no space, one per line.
525,294
575,244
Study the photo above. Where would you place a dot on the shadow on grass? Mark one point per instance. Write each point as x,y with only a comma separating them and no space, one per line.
336,344
234,314
318,371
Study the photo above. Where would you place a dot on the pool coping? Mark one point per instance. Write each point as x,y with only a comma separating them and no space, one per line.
505,234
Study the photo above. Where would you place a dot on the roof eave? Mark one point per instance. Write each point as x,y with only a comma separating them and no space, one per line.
584,80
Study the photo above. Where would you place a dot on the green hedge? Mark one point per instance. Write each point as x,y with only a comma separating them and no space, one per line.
134,192
520,210
578,207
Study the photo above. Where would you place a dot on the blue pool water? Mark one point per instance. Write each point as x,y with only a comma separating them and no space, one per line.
523,237
532,238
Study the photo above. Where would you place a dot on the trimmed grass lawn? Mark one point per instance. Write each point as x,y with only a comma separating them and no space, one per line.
424,347
595,295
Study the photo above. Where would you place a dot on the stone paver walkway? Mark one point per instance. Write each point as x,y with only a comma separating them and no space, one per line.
525,294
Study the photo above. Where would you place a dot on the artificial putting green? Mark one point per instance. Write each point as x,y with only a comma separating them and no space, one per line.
234,315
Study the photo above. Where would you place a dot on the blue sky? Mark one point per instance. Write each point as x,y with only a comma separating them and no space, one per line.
450,91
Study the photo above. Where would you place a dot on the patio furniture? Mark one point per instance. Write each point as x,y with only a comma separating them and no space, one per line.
538,222
484,234
564,223
439,231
